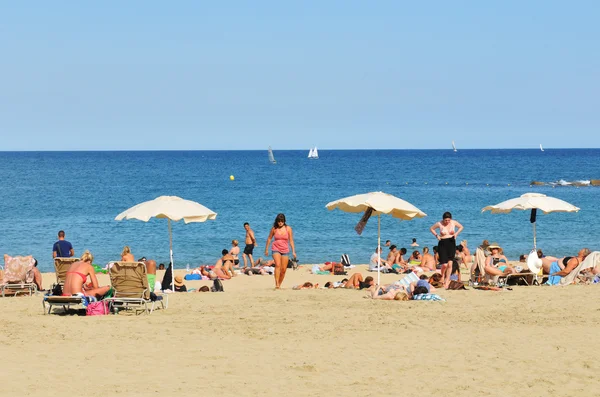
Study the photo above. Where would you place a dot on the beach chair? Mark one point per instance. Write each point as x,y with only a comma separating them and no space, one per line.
131,291
65,301
18,275
61,267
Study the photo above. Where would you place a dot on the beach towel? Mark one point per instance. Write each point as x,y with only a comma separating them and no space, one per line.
408,279
591,261
554,280
193,277
428,297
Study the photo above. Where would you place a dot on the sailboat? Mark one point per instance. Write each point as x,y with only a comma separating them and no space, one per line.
454,146
541,148
271,157
313,153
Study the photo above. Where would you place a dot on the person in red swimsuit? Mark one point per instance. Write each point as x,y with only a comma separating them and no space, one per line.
283,239
75,282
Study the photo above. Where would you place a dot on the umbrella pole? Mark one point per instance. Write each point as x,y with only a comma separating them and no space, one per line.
171,257
534,245
378,248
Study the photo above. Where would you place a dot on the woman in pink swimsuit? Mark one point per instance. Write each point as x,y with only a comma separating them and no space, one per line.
283,239
75,281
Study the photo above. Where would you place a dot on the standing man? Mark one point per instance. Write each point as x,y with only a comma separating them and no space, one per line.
250,244
62,248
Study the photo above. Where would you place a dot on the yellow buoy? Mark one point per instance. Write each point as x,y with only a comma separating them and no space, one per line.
509,184
231,177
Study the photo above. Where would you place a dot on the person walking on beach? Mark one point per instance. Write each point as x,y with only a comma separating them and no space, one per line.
62,248
449,229
250,244
283,239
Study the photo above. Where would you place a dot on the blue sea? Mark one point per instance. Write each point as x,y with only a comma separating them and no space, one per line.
82,192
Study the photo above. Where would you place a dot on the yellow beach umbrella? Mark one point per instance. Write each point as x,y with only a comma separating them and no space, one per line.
379,203
172,208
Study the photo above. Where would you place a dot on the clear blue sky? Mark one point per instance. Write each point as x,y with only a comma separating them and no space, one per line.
338,74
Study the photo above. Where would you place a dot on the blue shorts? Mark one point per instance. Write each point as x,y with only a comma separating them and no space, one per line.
281,253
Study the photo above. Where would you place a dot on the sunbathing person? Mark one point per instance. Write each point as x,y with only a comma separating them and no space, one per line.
397,294
497,264
392,256
427,261
220,267
336,284
547,262
306,285
126,255
75,280
569,264
356,282
261,267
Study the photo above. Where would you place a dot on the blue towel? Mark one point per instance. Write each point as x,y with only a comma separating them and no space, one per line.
554,280
193,277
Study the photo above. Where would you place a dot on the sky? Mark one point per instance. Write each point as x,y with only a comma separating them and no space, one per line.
206,75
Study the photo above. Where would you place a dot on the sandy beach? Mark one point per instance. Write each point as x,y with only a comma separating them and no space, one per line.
252,340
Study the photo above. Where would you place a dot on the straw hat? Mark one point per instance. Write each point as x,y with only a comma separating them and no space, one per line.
178,281
493,245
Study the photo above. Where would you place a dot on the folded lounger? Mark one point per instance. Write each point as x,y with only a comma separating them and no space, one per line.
131,291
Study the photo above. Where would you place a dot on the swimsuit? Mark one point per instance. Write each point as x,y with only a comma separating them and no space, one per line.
280,242
83,276
248,249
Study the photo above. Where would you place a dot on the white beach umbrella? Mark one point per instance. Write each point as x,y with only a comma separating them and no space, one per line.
380,203
172,208
533,202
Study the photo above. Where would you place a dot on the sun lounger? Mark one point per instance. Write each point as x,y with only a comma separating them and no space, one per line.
18,275
61,267
65,301
519,277
131,291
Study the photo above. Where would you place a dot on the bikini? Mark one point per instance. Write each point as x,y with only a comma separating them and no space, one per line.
83,276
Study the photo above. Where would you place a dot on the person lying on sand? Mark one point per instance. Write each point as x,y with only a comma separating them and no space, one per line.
356,282
306,285
261,267
389,295
336,284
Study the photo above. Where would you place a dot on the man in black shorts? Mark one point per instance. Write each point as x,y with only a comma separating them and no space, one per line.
250,244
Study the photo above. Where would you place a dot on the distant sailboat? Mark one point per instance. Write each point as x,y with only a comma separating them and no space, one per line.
541,148
271,157
454,146
313,153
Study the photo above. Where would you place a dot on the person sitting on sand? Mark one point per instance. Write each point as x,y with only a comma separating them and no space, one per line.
569,263
392,256
126,255
415,258
356,282
219,268
497,264
235,251
376,260
76,277
306,285
427,261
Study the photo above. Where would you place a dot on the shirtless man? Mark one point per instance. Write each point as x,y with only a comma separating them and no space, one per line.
250,245
427,261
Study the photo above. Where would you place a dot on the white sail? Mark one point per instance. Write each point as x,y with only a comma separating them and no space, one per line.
271,157
313,153
541,148
310,153
454,146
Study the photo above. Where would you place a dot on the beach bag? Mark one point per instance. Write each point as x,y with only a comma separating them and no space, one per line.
345,260
97,308
456,285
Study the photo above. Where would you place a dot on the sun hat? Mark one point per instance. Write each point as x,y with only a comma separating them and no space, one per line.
493,245
178,281
534,263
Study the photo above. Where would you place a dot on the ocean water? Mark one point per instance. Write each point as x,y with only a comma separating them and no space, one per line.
82,192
